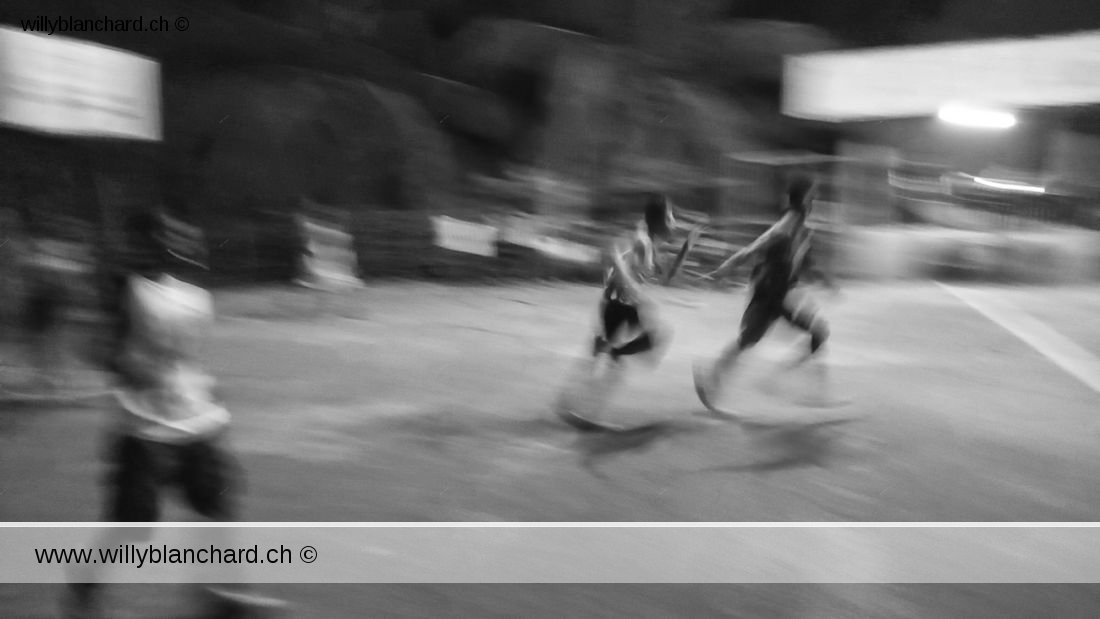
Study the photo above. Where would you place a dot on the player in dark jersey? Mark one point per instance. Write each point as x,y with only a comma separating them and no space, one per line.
629,322
782,260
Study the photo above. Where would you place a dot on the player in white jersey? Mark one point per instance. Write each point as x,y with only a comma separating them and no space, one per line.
629,320
169,429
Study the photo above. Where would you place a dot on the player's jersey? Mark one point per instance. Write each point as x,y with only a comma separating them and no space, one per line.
782,260
641,260
169,317
168,322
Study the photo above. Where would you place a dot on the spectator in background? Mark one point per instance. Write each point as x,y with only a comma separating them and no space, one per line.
12,248
49,274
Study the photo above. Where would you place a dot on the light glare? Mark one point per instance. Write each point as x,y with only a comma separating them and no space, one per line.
1009,186
974,117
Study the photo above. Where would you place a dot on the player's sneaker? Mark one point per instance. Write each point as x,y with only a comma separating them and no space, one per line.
707,385
227,603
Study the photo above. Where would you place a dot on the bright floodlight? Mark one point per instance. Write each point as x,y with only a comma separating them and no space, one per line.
1010,186
976,117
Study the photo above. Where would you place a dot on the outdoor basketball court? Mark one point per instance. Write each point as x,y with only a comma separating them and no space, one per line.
434,403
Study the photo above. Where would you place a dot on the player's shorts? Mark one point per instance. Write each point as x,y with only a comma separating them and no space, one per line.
203,471
763,310
769,305
617,314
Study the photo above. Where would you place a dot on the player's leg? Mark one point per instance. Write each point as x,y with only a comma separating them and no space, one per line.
802,311
613,315
620,321
585,388
760,314
610,319
211,480
132,496
617,320
650,336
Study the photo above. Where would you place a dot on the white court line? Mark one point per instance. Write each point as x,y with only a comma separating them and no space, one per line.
205,524
1076,361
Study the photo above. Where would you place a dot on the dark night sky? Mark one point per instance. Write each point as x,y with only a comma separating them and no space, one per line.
885,22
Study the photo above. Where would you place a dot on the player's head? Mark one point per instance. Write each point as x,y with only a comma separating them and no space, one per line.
659,220
160,243
800,194
144,249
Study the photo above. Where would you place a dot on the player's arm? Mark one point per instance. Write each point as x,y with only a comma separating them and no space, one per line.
762,242
624,275
685,249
